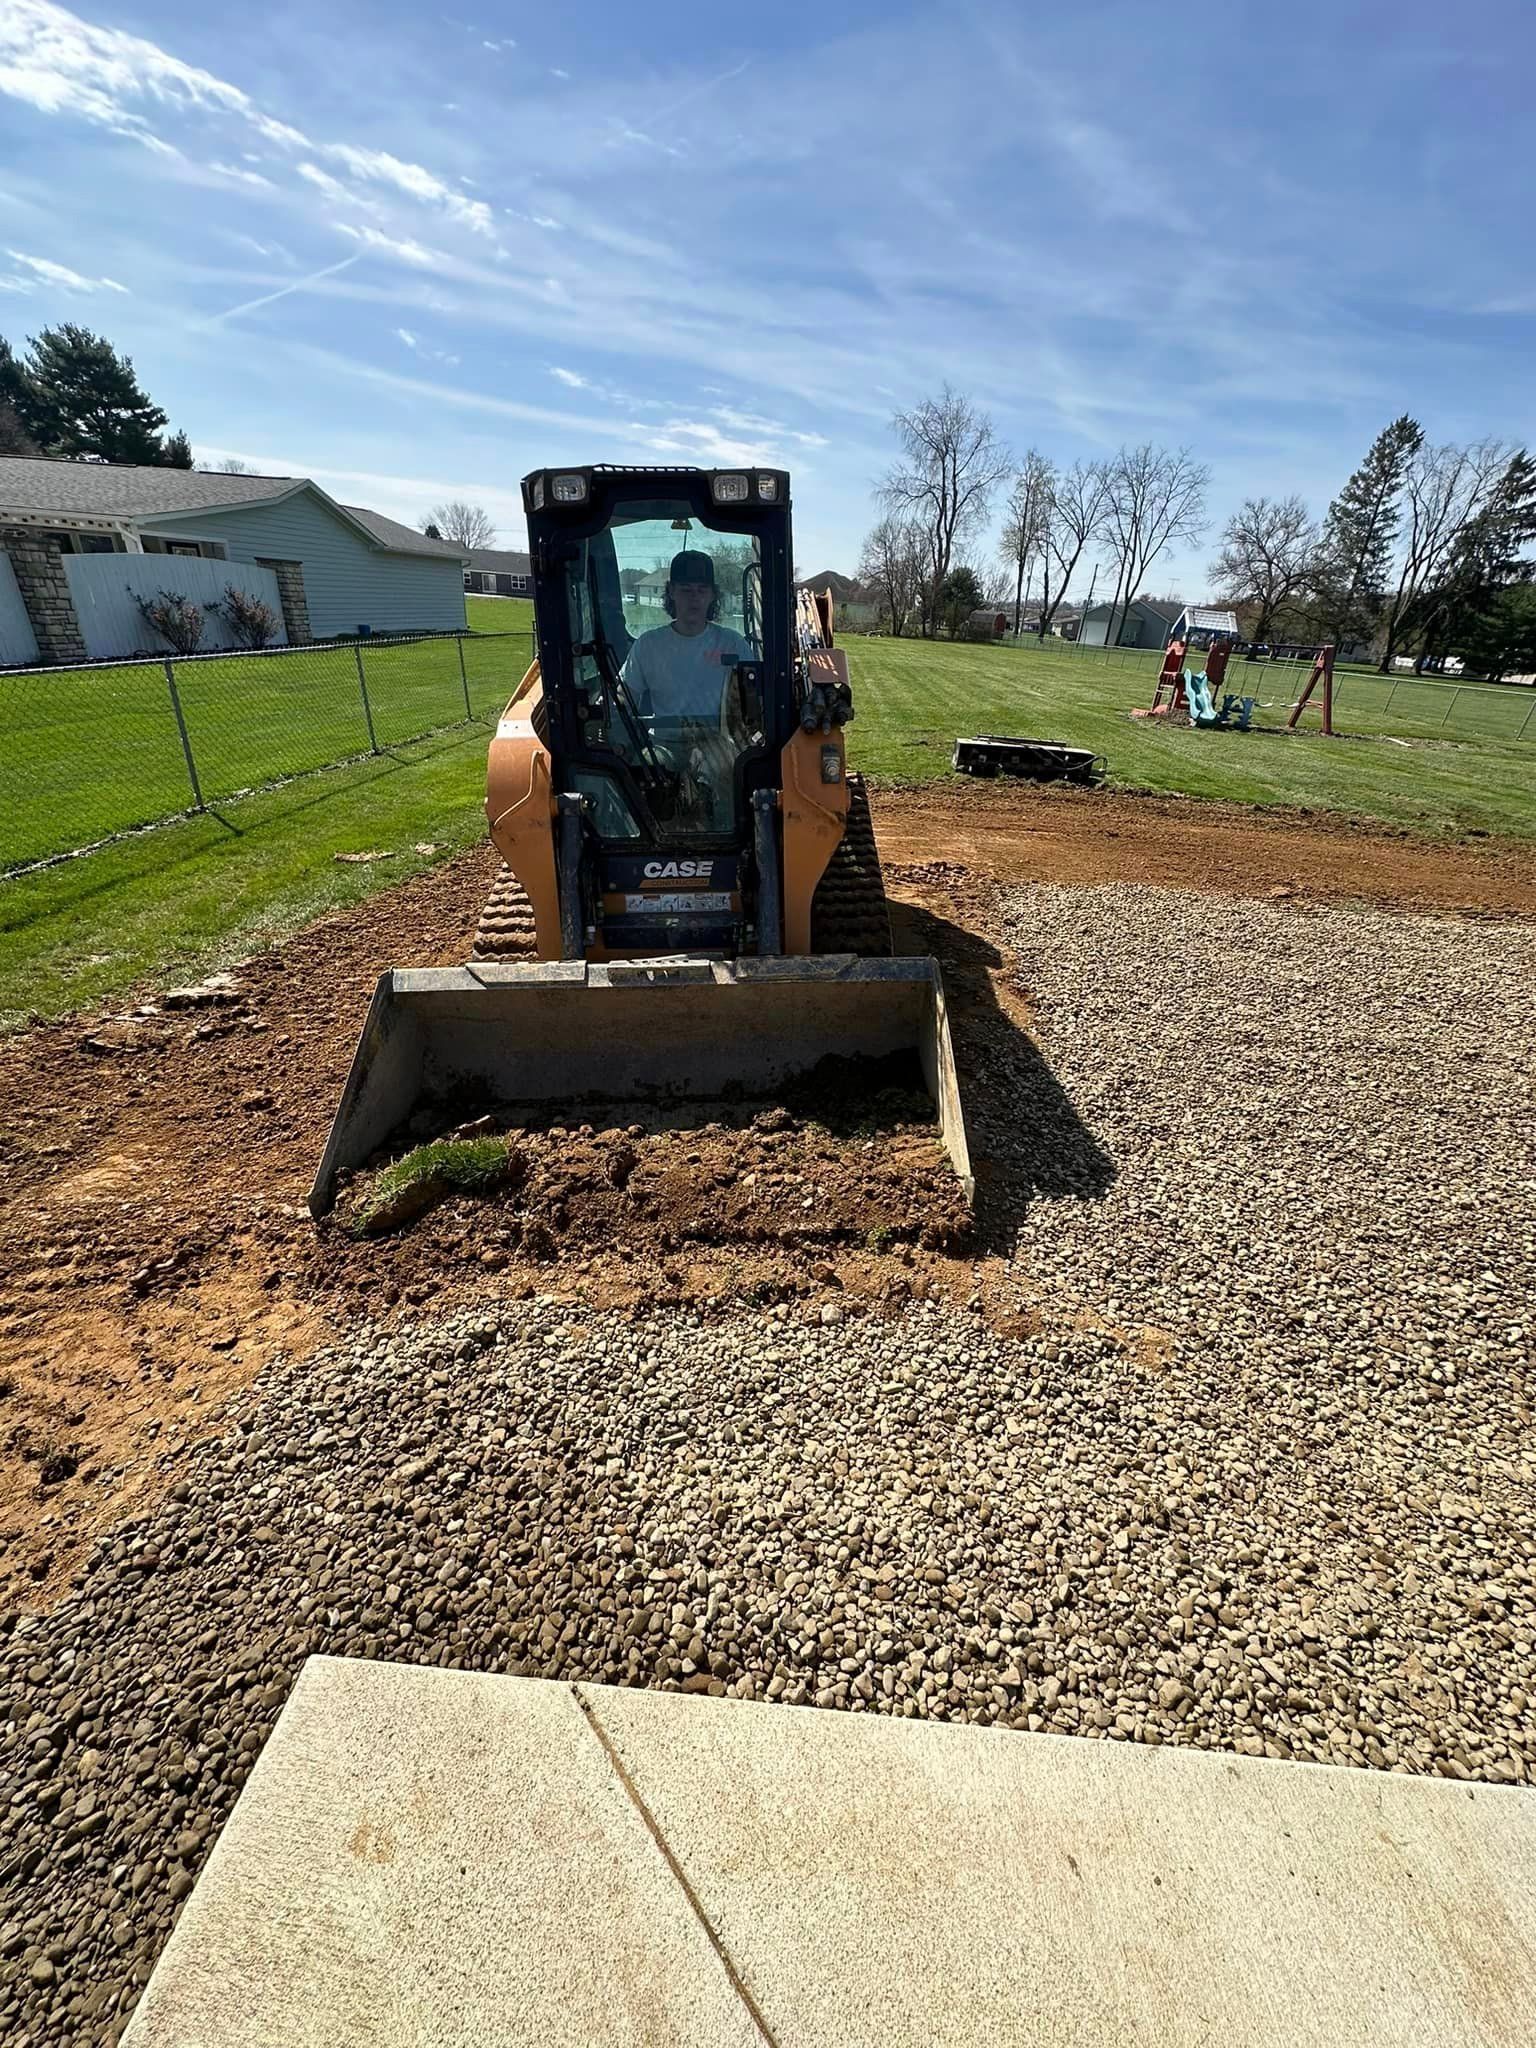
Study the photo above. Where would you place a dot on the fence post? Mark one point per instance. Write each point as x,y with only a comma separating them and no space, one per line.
1449,709
1520,735
463,674
362,684
1388,705
186,739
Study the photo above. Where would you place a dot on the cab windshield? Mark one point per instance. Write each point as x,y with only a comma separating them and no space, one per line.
664,610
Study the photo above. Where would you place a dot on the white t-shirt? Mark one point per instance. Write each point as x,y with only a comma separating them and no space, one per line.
678,675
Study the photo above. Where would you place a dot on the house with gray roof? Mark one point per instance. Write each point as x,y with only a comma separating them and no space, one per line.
1144,622
80,541
498,572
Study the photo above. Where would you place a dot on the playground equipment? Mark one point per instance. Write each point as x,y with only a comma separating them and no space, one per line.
1322,672
1233,711
1202,700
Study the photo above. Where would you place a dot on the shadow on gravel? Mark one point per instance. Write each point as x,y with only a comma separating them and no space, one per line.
1026,1138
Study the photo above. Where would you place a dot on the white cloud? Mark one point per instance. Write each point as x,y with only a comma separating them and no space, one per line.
378,166
59,64
54,61
266,250
334,190
556,72
392,245
754,423
44,271
407,337
570,377
252,178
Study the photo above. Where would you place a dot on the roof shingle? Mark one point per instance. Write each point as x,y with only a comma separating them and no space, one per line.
40,484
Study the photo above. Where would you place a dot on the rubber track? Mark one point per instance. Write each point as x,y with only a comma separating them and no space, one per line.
506,929
849,912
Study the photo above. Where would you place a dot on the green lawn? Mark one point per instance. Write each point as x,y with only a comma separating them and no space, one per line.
913,698
211,887
89,752
208,888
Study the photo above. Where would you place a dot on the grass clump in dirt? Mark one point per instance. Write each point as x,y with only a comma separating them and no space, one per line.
423,1178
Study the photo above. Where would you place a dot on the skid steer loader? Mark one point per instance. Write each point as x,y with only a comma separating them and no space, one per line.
691,903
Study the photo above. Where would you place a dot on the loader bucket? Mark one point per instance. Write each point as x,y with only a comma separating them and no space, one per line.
658,1030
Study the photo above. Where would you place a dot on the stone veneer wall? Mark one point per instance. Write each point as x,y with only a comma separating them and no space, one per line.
38,564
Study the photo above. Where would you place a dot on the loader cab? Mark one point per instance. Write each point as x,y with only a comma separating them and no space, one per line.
664,622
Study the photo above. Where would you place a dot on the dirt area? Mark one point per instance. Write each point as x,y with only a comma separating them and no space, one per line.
155,1252
851,1156
1059,834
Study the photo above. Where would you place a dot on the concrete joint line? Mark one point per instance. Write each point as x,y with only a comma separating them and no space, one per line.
738,1985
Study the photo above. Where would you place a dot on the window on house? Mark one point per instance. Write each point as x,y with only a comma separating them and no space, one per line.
208,550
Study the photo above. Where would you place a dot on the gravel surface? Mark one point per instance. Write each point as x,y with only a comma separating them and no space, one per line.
1249,1468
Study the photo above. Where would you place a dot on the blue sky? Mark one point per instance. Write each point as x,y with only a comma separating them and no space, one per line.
416,255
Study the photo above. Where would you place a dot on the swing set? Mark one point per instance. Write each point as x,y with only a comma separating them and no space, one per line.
1203,701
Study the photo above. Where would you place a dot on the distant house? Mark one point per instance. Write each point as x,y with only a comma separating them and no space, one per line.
79,541
498,572
1199,624
650,589
1144,622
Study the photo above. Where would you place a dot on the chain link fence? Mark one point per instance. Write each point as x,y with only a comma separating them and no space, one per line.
88,753
1401,705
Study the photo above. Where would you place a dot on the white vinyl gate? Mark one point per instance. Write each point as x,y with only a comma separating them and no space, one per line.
18,644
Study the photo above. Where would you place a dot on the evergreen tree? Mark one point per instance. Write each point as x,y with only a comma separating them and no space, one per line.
16,436
1355,559
1500,638
1482,606
84,401
960,594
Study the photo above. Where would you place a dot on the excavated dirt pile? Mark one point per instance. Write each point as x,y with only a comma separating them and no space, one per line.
852,1156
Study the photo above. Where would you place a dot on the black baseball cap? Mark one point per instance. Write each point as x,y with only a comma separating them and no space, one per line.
692,566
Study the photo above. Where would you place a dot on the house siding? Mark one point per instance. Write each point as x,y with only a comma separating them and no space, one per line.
1139,627
347,583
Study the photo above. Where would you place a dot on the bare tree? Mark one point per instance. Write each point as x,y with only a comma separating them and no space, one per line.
468,526
893,563
954,462
1448,489
1026,523
1155,496
1077,511
1268,553
233,466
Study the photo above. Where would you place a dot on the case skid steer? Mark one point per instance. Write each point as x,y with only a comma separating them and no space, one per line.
691,903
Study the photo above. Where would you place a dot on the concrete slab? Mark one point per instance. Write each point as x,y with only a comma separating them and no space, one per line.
432,1857
425,1857
891,1881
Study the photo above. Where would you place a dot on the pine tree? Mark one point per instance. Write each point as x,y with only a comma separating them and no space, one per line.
1355,559
1484,597
16,399
86,403
176,452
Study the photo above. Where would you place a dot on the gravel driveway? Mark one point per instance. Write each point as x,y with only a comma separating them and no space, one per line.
1249,1467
